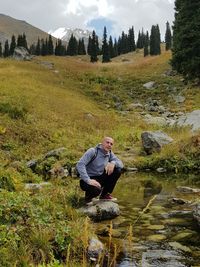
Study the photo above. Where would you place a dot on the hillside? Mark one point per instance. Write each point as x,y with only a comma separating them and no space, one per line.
10,26
75,103
68,104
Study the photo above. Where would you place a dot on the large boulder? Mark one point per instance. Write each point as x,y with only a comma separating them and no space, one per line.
21,53
103,210
191,119
154,141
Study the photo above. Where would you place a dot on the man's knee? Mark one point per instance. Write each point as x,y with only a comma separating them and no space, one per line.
117,171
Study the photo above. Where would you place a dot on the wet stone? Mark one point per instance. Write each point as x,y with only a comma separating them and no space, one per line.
156,238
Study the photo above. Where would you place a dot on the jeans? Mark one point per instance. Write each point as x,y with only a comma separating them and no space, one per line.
107,182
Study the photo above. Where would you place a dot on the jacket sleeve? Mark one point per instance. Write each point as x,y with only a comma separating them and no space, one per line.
114,159
82,163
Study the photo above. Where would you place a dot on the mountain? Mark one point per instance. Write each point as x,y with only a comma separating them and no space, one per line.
65,33
10,26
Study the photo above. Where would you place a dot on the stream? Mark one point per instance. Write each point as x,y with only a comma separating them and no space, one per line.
155,227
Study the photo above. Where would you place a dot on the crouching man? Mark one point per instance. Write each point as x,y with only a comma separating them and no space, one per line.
99,169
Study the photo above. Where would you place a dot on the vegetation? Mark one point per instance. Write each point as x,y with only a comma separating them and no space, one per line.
186,40
74,105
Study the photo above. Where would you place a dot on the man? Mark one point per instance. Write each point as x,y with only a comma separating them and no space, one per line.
99,170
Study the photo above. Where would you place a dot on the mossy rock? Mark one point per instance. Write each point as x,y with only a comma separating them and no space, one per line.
156,238
184,236
156,227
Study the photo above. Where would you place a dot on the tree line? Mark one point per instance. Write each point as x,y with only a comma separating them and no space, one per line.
109,48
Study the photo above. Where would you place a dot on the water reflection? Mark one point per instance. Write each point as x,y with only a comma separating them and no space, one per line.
152,229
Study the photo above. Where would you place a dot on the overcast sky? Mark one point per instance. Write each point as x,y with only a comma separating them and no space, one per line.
117,15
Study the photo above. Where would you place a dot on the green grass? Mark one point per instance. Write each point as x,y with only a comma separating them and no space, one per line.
74,105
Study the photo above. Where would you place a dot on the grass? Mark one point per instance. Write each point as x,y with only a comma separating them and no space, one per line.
74,105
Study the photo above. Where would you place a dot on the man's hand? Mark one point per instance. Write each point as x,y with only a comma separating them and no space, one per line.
110,168
94,183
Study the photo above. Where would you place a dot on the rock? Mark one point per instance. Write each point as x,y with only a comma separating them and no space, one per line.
175,245
153,141
131,169
190,119
149,85
159,257
58,172
134,106
32,164
184,236
55,152
160,170
179,200
156,238
36,187
186,189
21,53
103,210
155,120
95,249
196,213
179,99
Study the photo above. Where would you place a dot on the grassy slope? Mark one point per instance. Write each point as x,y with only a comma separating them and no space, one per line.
42,109
55,103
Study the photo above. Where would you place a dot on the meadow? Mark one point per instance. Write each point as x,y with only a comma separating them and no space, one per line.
51,102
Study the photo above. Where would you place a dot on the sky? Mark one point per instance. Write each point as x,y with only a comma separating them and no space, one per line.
116,15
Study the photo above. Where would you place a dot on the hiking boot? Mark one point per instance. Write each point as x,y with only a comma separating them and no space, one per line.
108,197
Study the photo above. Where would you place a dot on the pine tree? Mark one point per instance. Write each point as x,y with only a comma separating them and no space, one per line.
105,48
19,40
89,47
32,49
115,48
186,38
50,46
1,53
38,48
131,40
44,48
72,48
6,49
12,45
146,44
111,47
155,40
168,37
24,42
94,49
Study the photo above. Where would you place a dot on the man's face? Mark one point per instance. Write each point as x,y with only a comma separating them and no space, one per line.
107,143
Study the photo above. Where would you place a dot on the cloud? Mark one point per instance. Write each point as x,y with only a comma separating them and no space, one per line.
52,14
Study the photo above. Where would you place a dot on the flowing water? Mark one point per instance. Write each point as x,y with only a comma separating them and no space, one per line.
155,228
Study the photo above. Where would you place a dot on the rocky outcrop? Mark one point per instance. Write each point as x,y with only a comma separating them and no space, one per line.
21,53
153,141
190,119
103,210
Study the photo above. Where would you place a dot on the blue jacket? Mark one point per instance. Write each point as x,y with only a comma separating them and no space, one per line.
89,166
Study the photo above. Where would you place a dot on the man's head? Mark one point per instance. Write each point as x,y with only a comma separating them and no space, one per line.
107,143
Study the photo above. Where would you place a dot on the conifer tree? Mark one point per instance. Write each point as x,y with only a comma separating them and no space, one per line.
115,48
186,38
155,40
94,48
44,48
12,45
168,37
24,42
81,47
72,48
50,46
89,45
38,48
105,48
146,44
19,40
111,47
131,40
6,49
32,49
1,53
